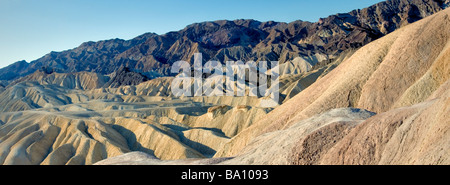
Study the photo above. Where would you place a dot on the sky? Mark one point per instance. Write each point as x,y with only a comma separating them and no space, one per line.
29,29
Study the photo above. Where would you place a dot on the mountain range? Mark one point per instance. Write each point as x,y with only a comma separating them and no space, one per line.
245,40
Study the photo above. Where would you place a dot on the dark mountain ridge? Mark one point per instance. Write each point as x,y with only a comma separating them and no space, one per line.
242,39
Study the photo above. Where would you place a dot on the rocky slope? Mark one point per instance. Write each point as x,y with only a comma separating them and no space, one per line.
415,134
301,43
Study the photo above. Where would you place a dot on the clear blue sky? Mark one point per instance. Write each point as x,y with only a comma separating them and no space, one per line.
30,29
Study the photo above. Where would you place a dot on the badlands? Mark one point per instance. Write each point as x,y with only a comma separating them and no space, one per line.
364,99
